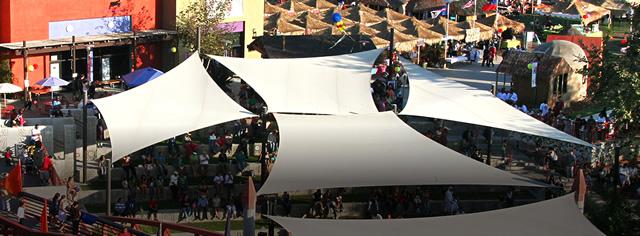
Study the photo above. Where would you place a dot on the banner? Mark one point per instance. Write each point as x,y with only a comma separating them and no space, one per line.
472,35
534,68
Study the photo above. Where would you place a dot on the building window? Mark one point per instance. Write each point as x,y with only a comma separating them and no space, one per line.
560,84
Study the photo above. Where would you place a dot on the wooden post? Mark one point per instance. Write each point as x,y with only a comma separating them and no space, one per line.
134,60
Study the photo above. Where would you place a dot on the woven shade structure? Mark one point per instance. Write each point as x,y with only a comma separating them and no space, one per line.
497,21
392,16
575,9
270,9
320,4
425,5
284,24
486,32
402,41
419,30
315,18
455,32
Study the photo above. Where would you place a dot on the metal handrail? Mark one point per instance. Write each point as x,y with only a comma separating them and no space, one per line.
102,222
165,225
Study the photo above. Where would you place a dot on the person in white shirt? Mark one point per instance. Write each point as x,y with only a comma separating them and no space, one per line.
20,213
513,97
204,163
173,185
524,109
36,134
544,108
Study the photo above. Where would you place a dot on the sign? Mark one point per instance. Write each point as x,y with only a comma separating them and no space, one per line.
420,43
472,35
534,68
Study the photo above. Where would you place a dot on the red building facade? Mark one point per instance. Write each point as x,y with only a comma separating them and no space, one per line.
104,33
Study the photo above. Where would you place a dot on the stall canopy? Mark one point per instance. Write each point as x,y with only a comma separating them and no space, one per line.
179,101
364,150
556,217
319,85
432,95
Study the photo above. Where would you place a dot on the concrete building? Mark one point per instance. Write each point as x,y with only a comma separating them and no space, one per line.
112,37
245,20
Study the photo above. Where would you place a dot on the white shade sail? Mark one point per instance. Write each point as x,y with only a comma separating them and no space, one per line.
376,149
317,85
431,95
555,217
179,101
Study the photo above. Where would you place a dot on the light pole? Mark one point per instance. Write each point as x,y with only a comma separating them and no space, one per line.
109,186
446,35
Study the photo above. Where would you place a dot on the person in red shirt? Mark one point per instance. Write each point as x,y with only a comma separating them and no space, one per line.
125,232
7,157
45,170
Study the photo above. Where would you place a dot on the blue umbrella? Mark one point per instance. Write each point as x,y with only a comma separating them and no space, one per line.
52,82
141,76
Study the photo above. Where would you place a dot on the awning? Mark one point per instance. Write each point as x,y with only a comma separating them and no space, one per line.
319,85
556,217
375,149
432,95
104,40
179,101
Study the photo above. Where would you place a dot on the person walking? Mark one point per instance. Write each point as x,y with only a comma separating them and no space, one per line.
45,170
20,212
75,215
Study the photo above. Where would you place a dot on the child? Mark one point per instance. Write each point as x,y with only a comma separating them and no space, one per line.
20,212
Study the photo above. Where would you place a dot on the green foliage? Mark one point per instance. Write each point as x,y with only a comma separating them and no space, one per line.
206,15
5,71
614,216
616,81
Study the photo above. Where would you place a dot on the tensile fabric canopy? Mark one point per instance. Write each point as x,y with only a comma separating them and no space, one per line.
179,101
556,217
376,149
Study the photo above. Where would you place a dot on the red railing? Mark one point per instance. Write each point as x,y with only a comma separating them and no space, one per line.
165,225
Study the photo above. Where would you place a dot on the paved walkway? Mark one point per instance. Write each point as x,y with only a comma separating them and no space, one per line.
474,74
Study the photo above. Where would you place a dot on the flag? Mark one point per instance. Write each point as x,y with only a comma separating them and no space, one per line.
436,13
13,182
44,223
490,7
468,4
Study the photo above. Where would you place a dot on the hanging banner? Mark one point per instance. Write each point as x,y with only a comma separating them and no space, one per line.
472,35
90,64
534,68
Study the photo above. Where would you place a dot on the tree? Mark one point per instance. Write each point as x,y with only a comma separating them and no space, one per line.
5,71
206,15
616,81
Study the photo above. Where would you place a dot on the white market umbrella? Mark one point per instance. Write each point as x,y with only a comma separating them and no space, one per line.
52,82
8,88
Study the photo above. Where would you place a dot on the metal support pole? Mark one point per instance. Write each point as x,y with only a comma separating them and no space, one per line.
199,39
25,61
495,89
489,142
109,186
616,165
84,132
271,224
391,50
446,37
134,60
76,177
504,80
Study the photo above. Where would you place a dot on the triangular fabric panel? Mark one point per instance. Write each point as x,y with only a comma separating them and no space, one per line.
432,95
555,217
375,149
317,85
179,101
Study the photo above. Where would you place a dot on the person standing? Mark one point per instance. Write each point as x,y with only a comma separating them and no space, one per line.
75,215
20,212
45,170
153,209
492,55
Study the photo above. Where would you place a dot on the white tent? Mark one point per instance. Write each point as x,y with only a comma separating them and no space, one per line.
181,100
319,85
555,217
431,95
376,149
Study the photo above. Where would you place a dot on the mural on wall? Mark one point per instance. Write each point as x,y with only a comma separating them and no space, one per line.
86,27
